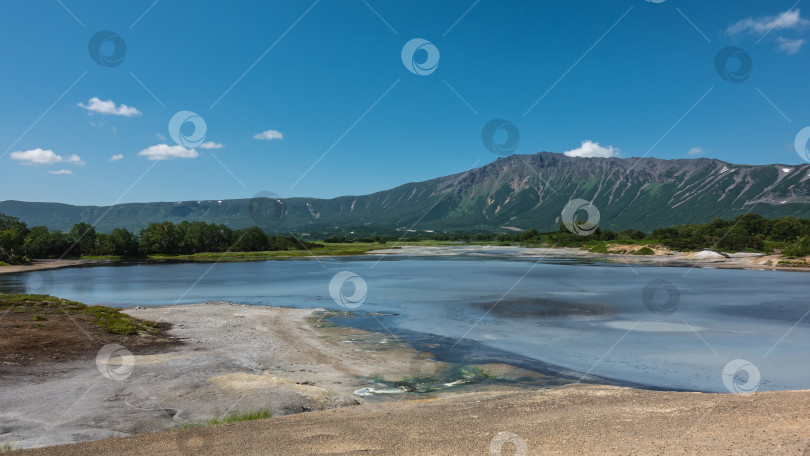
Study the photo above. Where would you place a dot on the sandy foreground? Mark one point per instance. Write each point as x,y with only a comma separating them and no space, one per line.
581,419
237,358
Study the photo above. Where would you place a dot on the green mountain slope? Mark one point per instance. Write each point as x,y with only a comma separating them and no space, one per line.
520,191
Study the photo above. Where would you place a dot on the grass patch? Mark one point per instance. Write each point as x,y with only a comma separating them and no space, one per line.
45,306
3,263
644,251
6,447
231,418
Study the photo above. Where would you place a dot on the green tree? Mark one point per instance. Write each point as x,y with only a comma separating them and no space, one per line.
251,240
83,236
12,239
123,243
160,238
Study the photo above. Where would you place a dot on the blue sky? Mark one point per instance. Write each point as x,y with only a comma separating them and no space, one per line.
633,77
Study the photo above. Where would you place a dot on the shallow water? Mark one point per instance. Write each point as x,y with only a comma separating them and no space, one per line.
583,316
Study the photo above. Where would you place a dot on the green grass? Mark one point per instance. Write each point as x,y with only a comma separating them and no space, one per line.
644,251
3,263
106,318
6,447
231,418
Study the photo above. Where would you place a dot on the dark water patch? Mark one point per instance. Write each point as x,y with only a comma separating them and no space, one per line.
777,310
527,307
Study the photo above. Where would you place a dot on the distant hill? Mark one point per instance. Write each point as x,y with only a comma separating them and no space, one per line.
515,192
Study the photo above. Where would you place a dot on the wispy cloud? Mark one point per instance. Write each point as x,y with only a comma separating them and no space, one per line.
790,46
593,149
166,152
268,135
696,151
211,145
789,20
108,107
43,157
61,171
117,157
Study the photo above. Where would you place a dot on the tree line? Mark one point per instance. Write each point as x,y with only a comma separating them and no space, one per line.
19,244
750,232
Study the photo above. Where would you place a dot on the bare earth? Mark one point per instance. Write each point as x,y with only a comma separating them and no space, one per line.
230,358
569,420
234,358
40,265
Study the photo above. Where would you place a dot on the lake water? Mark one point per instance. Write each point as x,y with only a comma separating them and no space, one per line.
586,317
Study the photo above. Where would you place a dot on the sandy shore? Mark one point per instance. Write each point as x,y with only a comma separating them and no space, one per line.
40,265
236,358
575,419
661,258
233,358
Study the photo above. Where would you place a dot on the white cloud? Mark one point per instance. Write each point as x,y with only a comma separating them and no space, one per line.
75,159
165,152
592,149
108,107
790,46
211,145
161,137
696,151
117,157
61,171
268,135
789,20
43,157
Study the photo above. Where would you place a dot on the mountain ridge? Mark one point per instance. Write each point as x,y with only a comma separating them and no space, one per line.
518,191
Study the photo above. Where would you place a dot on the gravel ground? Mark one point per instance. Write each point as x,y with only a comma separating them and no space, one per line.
574,419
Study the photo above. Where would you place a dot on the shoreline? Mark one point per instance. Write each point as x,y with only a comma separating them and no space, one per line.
229,358
314,375
673,259
668,259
